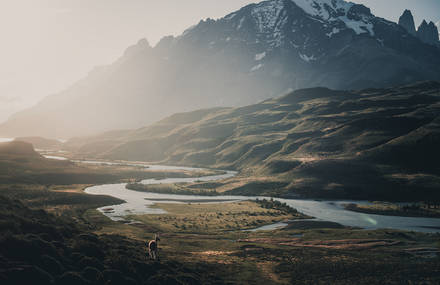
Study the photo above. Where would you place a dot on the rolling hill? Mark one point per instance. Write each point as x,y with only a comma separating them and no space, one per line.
367,144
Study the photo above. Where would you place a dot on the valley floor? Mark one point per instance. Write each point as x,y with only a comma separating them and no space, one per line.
204,244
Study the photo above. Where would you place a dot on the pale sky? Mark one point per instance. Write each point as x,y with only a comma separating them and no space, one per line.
46,45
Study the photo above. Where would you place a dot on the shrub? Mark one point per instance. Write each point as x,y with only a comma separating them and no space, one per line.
92,274
71,278
28,275
86,261
51,265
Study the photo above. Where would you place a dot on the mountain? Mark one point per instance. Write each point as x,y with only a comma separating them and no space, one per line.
317,143
428,33
255,53
407,21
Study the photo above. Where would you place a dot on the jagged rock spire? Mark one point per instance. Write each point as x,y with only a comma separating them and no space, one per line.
407,21
435,33
428,33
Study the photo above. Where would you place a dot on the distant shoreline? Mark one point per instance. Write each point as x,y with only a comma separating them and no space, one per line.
389,209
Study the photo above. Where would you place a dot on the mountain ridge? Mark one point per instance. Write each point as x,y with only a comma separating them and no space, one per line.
258,52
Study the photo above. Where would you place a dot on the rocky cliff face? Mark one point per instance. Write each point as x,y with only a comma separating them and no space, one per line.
428,33
407,22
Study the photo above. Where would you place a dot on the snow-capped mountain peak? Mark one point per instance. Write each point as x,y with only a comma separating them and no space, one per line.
325,9
354,16
250,55
270,17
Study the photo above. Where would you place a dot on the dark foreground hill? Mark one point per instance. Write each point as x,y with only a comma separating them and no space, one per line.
40,248
369,144
255,53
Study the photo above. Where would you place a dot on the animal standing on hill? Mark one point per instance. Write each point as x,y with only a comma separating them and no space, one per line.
153,248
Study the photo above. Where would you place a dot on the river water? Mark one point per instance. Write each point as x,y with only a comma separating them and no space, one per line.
2,140
333,211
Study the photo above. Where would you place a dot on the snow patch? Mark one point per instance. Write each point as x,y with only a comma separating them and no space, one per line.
269,16
256,67
358,27
240,24
333,32
230,16
307,58
317,8
438,26
260,56
336,10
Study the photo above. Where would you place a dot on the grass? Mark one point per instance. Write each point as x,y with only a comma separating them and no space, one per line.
226,254
173,188
39,248
56,236
65,200
214,256
214,218
313,143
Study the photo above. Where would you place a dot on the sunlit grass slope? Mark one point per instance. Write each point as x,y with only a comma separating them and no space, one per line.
368,144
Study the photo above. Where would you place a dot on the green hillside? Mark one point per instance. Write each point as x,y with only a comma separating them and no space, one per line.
369,144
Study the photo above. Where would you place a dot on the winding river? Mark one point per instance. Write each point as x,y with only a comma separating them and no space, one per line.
140,203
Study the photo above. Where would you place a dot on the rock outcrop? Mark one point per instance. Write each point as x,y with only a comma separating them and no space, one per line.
428,33
407,22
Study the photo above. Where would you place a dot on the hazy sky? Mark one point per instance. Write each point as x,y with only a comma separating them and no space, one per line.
46,45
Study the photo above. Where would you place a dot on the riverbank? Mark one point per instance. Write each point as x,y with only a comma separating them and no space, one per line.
390,209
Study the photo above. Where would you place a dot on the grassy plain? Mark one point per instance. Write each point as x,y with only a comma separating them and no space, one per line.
213,218
52,234
314,255
214,250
